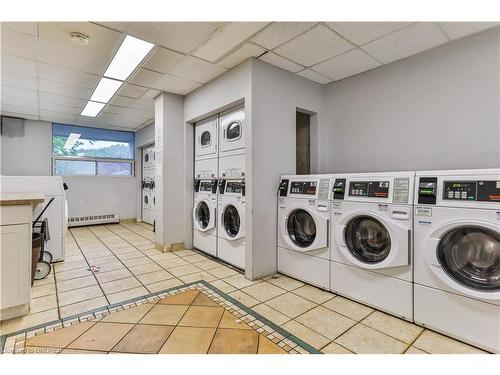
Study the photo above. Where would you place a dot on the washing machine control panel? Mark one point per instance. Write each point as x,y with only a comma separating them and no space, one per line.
206,186
213,184
427,190
303,187
283,188
222,186
484,191
339,188
373,189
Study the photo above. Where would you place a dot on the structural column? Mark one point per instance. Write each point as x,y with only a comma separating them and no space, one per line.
169,165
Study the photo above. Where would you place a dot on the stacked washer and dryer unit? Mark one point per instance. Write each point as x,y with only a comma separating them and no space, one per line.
422,246
219,208
148,185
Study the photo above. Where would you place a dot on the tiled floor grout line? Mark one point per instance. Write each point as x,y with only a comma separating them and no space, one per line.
213,337
135,232
143,285
90,268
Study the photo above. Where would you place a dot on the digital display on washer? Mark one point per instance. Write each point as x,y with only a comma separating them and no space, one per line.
206,186
303,187
459,190
233,187
375,189
484,191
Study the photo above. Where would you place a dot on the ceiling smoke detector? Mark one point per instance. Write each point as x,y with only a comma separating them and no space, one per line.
79,38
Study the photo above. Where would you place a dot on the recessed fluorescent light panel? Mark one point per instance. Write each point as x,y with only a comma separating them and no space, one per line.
105,90
128,57
92,109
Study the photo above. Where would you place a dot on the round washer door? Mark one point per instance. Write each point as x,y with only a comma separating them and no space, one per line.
367,239
203,216
205,139
301,228
232,222
470,256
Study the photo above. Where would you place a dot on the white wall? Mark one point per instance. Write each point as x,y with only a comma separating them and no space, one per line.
276,95
170,169
436,110
29,155
101,195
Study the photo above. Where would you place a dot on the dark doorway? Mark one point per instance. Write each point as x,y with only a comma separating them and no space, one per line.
303,143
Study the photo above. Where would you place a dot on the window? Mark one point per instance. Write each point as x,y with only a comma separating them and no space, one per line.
82,151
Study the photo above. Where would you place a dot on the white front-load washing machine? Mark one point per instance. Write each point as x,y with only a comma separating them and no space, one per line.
457,254
303,222
206,139
205,216
231,222
372,240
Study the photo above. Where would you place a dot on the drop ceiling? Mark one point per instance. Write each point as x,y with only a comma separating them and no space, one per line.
45,76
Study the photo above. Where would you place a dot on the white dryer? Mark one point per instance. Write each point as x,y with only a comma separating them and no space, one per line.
232,144
205,216
303,222
372,240
457,254
206,137
232,133
231,222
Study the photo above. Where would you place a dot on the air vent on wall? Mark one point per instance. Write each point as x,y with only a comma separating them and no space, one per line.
12,126
93,220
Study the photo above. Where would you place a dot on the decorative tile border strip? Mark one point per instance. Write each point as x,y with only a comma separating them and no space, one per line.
15,342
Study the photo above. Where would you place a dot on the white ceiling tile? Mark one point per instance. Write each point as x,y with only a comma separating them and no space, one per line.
16,80
347,64
67,76
62,100
228,38
22,115
163,60
318,44
456,30
30,28
175,85
406,42
363,32
61,108
30,111
150,94
121,101
57,48
56,116
114,109
131,91
241,54
145,77
280,32
16,101
196,70
64,90
313,76
274,59
19,44
144,104
16,92
179,36
18,65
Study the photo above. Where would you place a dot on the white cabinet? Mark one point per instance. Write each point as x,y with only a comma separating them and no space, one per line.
15,266
15,253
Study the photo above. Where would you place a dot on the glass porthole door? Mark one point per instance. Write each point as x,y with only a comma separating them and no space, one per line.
367,239
470,255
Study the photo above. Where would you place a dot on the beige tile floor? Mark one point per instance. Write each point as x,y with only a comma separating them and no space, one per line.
107,264
189,322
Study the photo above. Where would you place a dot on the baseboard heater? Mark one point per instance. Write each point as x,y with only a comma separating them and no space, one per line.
93,220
